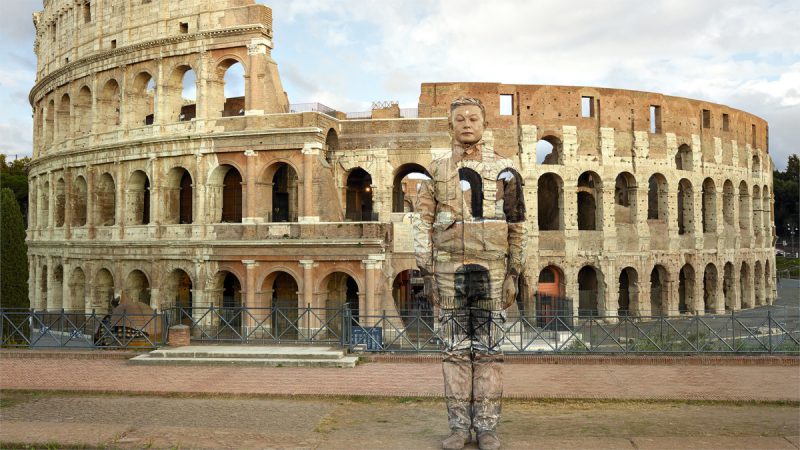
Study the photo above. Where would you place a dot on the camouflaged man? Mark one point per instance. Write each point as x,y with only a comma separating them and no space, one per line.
469,240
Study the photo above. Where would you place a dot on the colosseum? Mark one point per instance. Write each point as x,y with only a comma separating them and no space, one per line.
152,183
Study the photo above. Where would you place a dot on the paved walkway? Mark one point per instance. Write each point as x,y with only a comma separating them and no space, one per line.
409,379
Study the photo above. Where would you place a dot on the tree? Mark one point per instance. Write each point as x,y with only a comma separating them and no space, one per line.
13,254
14,175
786,187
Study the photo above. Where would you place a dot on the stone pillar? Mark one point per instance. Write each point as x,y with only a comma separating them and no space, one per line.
249,297
119,206
50,298
51,206
369,300
90,198
66,297
307,299
33,271
311,150
68,200
250,215
255,76
697,305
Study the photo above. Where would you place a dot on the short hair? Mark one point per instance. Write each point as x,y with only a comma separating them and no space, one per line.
465,101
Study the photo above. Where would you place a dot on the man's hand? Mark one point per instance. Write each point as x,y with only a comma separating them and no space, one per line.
431,289
509,291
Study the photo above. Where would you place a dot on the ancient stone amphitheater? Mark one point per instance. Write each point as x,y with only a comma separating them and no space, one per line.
151,182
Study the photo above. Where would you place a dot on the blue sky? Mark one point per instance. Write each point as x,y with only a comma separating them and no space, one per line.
348,53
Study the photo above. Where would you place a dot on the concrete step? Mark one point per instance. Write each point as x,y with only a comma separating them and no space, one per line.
344,362
249,352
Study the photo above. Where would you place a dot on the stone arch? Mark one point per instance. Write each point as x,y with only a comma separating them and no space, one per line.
229,72
683,158
710,283
77,301
280,289
178,292
44,300
49,122
709,206
340,290
756,202
108,106
625,190
84,111
744,208
728,287
550,202
549,150
105,201
659,291
44,205
591,291
628,298
79,198
136,288
589,203
758,283
225,194
180,96
64,119
472,190
60,202
283,194
407,292
178,196
686,294
358,199
137,199
685,207
728,204
768,283
141,100
766,214
745,286
404,186
103,291
657,198
756,166
55,300
551,282
331,145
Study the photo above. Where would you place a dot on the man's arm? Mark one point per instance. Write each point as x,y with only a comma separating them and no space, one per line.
422,222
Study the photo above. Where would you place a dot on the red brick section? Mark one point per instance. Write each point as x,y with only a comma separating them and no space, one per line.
523,381
178,335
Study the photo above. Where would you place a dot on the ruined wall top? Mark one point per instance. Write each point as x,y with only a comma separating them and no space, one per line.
70,30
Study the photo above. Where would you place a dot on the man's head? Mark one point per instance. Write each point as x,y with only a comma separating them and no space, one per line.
467,120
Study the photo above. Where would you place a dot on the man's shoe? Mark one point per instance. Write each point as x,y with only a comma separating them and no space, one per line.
488,441
457,440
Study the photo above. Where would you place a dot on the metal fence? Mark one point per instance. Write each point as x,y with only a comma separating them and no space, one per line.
764,330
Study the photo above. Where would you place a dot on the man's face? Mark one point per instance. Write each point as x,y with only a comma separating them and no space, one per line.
467,124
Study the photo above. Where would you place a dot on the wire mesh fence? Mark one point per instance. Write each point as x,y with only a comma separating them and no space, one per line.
771,330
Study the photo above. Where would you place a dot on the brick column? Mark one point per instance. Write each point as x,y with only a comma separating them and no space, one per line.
250,266
371,308
307,300
310,152
250,188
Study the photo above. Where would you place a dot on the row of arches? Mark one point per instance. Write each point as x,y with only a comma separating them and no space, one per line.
589,193
142,100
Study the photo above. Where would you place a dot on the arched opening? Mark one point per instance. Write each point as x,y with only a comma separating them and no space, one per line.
44,205
55,296
225,195
710,289
745,286
768,284
590,214
471,184
178,294
625,199
551,300
728,287
331,145
683,159
709,206
229,300
178,197
685,289
657,198
77,292
64,120
108,106
405,185
105,201
659,293
103,292
744,208
83,111
181,95
141,100
49,123
60,202
628,291
728,204
284,194
756,199
137,193
766,214
284,306
685,207
590,291
79,198
758,283
756,166
409,298
359,196
44,300
137,288
550,206
342,293
549,150
228,93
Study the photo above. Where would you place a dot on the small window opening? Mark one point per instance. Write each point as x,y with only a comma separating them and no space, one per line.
53,31
655,119
725,122
87,12
113,43
184,27
144,2
587,106
66,60
506,104
753,135
706,118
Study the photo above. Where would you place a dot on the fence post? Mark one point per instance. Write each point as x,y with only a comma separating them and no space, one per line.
769,327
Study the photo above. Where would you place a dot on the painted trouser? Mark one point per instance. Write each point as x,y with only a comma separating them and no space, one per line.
472,362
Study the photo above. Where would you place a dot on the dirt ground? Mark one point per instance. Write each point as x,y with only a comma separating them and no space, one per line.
53,420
